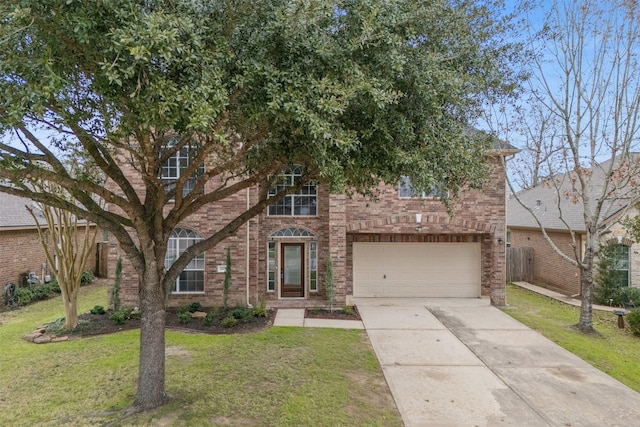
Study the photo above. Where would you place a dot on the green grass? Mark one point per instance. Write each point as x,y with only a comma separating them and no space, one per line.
612,350
278,377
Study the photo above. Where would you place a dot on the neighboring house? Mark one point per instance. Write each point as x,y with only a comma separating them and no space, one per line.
549,269
398,246
21,251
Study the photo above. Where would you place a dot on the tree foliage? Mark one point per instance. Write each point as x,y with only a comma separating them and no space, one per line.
356,92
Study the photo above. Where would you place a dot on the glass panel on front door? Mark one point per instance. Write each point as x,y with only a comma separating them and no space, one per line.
292,273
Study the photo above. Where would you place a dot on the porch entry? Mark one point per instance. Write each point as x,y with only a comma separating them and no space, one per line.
292,270
292,263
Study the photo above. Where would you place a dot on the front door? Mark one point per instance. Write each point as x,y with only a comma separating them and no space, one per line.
292,270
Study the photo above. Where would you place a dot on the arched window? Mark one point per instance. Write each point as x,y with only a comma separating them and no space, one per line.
192,277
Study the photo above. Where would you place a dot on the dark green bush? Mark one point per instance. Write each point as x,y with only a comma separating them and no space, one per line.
184,317
229,322
243,314
195,306
87,277
209,318
98,309
633,320
184,308
121,316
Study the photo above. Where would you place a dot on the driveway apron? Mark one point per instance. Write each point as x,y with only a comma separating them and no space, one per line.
462,362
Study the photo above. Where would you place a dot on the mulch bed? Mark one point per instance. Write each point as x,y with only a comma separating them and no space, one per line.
337,313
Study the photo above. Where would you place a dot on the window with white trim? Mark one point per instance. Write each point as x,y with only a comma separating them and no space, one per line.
301,203
313,266
406,191
191,280
176,166
620,264
271,266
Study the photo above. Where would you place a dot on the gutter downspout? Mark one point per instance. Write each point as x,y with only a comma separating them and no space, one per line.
247,253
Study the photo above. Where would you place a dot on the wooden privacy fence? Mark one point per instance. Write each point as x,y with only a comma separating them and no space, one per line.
520,264
101,259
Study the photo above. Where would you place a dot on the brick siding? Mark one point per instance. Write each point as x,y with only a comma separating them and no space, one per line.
23,253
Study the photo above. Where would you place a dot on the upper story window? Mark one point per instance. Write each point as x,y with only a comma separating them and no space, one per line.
191,279
301,203
176,166
406,191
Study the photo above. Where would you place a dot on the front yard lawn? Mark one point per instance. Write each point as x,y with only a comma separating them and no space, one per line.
612,350
277,377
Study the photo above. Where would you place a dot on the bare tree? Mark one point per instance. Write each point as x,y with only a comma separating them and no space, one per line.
587,84
73,242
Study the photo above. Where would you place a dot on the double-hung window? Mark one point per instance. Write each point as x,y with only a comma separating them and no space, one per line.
301,203
176,166
620,267
406,191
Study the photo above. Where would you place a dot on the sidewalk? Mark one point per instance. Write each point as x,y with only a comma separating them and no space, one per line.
295,317
560,297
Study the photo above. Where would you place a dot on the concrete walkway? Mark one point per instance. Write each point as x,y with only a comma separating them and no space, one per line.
295,317
560,297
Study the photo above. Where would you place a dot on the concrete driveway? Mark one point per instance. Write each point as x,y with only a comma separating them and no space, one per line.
462,362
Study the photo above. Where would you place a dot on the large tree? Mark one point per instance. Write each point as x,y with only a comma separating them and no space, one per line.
356,92
587,87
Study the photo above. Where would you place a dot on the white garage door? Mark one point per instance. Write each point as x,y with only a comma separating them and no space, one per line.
428,270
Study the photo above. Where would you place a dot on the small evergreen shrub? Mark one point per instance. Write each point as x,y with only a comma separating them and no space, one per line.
195,306
184,308
87,277
121,316
261,309
98,309
184,317
243,314
633,320
348,310
115,292
229,322
209,319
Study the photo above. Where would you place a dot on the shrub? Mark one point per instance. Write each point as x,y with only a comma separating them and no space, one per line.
633,320
195,306
183,308
98,309
243,314
260,310
348,310
229,322
87,277
209,318
121,316
184,317
115,292
24,296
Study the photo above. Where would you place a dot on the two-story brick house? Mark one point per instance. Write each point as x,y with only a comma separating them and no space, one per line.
401,245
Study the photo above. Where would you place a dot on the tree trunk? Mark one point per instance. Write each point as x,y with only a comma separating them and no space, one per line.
151,375
585,324
70,308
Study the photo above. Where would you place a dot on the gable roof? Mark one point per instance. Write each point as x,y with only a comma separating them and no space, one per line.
14,214
548,203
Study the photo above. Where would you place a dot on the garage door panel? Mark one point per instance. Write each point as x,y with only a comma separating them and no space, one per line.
416,269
